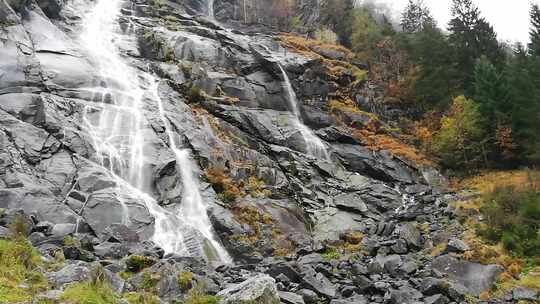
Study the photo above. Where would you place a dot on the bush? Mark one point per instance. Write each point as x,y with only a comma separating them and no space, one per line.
136,263
20,226
185,279
513,217
326,35
331,254
195,94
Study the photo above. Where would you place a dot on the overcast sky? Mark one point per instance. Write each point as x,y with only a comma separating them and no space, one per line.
509,18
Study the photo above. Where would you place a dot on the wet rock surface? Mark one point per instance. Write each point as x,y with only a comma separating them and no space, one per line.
279,212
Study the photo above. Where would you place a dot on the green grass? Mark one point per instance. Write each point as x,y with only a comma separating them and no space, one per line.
196,295
148,281
89,293
331,254
19,262
185,278
141,298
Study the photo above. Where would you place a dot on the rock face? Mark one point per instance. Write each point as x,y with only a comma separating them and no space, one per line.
223,100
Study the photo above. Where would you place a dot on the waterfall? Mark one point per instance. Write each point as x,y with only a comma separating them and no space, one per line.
314,145
193,208
116,127
211,9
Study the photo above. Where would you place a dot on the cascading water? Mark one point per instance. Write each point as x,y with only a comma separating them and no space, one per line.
210,9
314,145
116,126
193,209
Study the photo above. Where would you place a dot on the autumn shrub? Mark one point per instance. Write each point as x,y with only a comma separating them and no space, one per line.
512,216
226,189
326,35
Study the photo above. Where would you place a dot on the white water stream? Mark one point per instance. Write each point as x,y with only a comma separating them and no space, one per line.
314,145
211,9
116,126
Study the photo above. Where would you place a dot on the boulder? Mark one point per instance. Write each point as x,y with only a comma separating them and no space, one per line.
70,273
475,277
437,299
404,295
290,298
259,289
317,282
411,235
457,246
524,294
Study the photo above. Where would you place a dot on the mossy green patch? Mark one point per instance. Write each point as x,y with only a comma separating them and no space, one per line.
136,263
331,254
89,293
196,295
19,263
141,298
185,279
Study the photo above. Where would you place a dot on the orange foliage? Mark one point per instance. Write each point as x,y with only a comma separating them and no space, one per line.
306,46
377,142
503,137
488,181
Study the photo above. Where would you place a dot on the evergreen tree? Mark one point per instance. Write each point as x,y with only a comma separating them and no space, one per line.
472,36
436,78
523,74
415,16
534,45
491,92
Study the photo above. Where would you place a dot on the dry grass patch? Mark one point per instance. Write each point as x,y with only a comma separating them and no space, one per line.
305,46
394,146
227,190
488,181
256,220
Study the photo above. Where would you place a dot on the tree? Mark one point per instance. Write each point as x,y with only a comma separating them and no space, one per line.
534,45
282,10
338,15
366,35
415,16
523,76
491,92
472,36
436,77
459,143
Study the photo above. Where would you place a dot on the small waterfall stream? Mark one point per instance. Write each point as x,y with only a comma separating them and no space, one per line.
116,126
314,145
211,9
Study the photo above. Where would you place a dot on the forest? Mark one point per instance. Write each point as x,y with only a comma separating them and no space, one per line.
473,101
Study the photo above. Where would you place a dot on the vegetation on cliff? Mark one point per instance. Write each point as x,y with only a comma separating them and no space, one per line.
495,122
